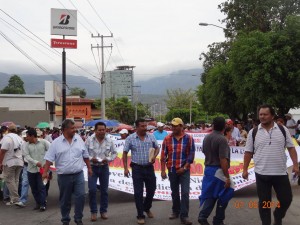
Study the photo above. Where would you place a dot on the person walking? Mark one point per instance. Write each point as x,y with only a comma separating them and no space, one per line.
266,144
102,151
11,162
34,153
69,153
178,152
141,144
216,182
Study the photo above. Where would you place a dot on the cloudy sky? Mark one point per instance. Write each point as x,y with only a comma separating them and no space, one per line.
158,36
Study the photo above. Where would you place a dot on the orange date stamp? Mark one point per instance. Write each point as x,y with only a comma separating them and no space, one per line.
255,204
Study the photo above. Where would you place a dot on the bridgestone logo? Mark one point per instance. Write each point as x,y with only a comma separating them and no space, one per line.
63,28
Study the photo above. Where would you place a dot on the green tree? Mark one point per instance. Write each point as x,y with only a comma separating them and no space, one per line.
122,109
265,68
15,86
78,92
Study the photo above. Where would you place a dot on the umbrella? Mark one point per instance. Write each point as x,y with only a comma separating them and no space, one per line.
108,123
7,123
42,125
124,126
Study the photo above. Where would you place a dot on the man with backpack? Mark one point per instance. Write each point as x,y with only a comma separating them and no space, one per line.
266,144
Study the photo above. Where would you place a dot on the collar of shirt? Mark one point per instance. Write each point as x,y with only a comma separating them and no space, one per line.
180,137
275,126
74,139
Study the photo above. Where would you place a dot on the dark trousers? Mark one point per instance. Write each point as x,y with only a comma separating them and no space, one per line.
180,206
38,189
71,184
101,173
141,175
282,187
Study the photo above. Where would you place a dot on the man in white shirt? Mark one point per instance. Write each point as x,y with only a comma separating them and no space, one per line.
291,124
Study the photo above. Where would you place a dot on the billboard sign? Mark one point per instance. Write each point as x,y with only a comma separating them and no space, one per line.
53,92
63,43
64,22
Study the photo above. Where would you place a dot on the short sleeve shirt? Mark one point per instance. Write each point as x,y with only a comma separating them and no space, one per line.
215,146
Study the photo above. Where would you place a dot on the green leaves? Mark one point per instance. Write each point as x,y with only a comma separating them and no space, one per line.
15,86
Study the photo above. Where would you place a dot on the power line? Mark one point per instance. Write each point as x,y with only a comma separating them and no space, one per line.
24,53
69,60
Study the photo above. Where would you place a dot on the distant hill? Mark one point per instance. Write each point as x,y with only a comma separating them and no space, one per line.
152,90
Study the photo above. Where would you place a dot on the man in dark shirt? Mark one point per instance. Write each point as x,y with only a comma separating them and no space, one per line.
216,176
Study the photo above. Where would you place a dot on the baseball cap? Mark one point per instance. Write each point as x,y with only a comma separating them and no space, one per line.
23,134
176,121
288,114
160,124
123,131
12,127
229,122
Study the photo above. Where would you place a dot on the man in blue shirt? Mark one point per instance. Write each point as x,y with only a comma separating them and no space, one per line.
144,149
160,133
69,153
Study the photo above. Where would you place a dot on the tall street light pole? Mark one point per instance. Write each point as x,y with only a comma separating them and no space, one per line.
210,24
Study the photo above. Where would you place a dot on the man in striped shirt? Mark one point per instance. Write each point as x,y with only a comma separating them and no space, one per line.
178,152
270,165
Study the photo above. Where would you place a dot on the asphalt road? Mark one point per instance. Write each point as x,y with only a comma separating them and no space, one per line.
241,210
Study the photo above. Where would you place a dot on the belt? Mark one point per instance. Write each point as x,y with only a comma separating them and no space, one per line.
142,166
99,164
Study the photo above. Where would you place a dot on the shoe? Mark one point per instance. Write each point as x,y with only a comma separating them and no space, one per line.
94,217
203,222
222,223
20,204
79,222
186,221
65,223
141,221
104,216
43,208
10,203
173,216
149,214
36,207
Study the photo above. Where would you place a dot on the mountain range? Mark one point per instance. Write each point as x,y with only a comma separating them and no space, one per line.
154,87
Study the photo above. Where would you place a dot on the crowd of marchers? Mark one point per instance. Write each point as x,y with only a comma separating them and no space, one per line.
28,157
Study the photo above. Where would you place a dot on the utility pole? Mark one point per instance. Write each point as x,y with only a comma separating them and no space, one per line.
102,70
136,98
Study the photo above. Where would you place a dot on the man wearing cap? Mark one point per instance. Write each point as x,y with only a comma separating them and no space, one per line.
34,153
141,144
160,133
291,124
11,162
101,151
178,152
124,134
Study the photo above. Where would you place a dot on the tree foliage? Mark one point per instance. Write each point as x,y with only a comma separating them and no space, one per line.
259,61
15,86
76,91
121,109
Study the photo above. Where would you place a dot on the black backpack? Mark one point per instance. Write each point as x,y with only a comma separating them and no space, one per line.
254,132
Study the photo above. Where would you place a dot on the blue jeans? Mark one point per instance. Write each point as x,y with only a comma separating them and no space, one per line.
25,186
37,188
71,184
180,206
282,187
141,175
101,173
207,208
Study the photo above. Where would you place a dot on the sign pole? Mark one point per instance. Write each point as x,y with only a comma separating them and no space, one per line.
64,81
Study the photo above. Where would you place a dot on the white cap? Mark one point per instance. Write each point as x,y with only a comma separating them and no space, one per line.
123,131
23,134
160,124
